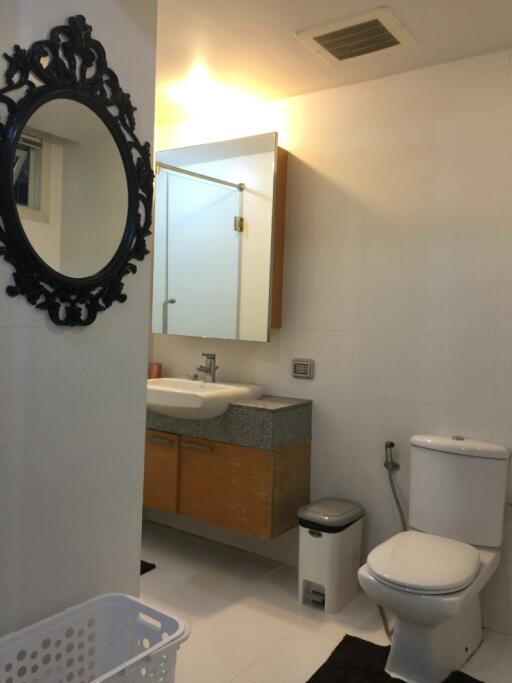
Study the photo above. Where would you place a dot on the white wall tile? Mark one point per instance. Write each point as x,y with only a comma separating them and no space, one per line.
439,300
337,364
272,362
325,237
61,575
473,421
505,225
380,420
316,176
325,117
399,216
501,426
429,369
16,312
497,603
72,401
61,381
371,490
504,312
339,289
472,85
333,474
54,490
502,394
334,416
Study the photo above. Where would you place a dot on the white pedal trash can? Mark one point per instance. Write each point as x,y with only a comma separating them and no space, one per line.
330,552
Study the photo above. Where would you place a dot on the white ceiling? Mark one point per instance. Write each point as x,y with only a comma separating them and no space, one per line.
251,43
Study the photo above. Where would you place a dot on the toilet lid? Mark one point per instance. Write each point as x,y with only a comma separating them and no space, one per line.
423,563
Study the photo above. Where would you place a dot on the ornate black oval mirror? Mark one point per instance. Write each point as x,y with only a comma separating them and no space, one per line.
75,182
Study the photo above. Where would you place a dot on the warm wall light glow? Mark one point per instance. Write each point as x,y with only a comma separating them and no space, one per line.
202,108
199,95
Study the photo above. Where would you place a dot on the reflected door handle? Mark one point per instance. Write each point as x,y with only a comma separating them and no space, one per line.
171,301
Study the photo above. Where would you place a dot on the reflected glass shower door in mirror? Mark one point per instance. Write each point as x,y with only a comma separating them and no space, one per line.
213,239
203,257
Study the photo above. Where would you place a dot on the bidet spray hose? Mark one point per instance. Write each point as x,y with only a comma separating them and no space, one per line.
391,467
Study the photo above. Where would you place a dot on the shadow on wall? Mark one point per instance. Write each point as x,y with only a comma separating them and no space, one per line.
131,10
497,599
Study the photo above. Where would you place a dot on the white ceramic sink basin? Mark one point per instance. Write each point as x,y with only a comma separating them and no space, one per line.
194,399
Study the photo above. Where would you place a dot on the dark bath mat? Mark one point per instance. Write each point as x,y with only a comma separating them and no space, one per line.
146,567
358,661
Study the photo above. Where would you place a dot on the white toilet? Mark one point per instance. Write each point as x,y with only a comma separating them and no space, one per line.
431,577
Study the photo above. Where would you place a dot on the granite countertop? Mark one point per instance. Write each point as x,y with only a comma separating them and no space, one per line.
269,423
273,403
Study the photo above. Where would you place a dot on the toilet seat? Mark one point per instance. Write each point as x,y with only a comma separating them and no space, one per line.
423,563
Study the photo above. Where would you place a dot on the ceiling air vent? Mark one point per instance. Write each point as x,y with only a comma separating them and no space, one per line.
355,36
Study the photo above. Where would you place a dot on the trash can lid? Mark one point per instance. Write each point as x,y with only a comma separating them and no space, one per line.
331,512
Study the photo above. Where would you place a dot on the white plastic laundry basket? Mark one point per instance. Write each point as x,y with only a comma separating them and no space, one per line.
109,638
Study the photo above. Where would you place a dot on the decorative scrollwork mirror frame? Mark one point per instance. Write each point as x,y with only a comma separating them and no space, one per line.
70,64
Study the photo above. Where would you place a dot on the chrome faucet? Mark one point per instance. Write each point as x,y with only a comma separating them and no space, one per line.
210,367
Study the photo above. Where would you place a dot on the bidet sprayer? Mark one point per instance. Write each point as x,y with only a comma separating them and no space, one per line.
389,463
392,467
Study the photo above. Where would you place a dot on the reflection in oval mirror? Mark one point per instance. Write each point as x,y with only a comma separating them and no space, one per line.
70,188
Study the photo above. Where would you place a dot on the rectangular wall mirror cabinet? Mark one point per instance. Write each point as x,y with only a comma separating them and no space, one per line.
219,239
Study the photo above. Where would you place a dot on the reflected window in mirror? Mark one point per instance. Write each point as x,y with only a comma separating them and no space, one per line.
30,187
70,188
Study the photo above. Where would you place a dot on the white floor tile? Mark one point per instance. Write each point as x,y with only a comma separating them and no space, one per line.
247,624
293,659
483,673
193,669
495,653
223,641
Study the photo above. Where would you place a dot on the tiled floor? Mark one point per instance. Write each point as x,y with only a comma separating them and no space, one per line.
247,626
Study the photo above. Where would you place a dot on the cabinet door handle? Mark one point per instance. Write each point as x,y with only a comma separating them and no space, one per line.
196,446
157,439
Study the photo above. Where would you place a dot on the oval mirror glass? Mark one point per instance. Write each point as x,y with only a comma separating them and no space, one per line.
70,188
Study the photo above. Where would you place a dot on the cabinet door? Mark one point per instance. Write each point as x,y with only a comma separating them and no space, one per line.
227,485
161,468
292,469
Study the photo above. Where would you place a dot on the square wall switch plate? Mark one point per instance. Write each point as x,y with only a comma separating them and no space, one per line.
304,368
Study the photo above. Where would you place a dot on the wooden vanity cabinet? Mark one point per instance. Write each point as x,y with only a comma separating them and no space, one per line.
244,489
161,467
227,485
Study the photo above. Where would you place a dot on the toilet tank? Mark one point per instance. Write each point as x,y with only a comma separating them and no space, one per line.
458,488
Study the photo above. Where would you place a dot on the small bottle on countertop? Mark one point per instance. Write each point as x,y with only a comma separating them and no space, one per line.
154,370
